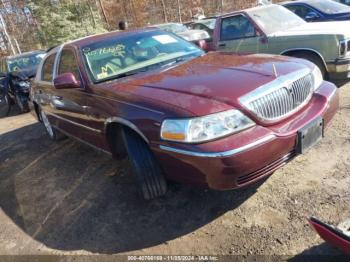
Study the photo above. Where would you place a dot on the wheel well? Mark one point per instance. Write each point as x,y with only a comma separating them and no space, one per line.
308,52
115,139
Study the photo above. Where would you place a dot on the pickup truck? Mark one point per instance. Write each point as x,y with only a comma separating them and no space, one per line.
274,29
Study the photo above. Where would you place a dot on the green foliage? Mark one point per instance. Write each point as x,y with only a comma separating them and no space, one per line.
61,21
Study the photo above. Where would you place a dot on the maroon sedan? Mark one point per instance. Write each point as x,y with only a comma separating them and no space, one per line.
219,119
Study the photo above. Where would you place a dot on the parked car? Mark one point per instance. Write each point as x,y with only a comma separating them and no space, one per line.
16,73
219,119
262,30
207,24
319,10
337,236
345,2
184,32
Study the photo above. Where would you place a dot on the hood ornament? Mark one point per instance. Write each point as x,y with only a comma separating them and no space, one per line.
274,70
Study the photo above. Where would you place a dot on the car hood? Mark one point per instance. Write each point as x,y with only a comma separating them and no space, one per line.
343,16
24,74
194,34
212,82
318,28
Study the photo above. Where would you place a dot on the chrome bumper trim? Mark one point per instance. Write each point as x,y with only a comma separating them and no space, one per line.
219,154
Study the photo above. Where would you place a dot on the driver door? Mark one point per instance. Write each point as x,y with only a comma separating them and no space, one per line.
69,105
238,34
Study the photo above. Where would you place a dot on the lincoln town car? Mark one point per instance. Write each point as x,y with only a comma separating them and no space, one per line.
219,120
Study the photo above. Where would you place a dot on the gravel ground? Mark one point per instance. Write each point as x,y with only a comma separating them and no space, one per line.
65,198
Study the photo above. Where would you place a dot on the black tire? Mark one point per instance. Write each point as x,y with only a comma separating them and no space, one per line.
148,173
5,106
314,59
53,133
22,103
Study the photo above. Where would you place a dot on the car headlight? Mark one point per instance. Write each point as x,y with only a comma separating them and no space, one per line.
317,77
24,84
201,129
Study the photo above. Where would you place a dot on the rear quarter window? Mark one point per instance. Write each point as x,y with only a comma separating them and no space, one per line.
48,67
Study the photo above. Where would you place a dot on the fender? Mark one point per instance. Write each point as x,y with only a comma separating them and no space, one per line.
124,122
307,50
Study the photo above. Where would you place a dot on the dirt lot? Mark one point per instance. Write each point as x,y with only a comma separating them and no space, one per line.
65,198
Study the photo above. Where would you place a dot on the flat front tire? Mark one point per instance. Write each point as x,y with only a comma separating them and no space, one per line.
5,106
148,173
22,103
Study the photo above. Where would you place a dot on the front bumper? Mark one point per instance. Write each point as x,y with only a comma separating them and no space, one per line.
244,158
339,70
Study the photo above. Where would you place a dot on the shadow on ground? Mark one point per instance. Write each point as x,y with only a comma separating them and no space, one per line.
70,197
323,252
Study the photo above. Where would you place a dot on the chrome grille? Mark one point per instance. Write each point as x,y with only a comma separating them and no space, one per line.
281,100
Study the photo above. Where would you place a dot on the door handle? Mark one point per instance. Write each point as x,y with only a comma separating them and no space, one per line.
222,45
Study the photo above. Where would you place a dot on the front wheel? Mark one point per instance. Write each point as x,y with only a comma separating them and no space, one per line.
149,175
5,106
314,59
22,102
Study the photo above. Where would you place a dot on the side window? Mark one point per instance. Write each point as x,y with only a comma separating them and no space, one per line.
236,27
68,64
300,10
47,70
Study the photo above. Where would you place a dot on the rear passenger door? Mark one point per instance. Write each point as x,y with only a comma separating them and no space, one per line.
44,86
238,34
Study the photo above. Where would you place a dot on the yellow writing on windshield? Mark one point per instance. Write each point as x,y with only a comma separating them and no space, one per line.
118,50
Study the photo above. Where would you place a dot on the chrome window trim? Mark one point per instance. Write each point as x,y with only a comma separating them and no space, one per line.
219,154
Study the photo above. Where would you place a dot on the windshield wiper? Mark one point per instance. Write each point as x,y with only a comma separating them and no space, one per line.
177,60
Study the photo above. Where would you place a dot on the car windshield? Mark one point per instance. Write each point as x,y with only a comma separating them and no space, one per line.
269,18
329,7
24,62
210,23
119,56
174,28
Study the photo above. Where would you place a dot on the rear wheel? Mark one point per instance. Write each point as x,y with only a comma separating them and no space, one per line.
314,59
149,175
5,106
53,133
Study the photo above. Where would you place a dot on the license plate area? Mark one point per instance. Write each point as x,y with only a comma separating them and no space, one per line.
309,135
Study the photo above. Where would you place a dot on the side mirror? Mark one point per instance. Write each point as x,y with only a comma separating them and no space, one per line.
66,81
263,39
311,16
202,44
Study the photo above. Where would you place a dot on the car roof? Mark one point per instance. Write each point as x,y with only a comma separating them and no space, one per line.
248,10
27,53
93,38
298,2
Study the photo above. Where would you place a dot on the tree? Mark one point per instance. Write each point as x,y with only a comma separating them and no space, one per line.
61,21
